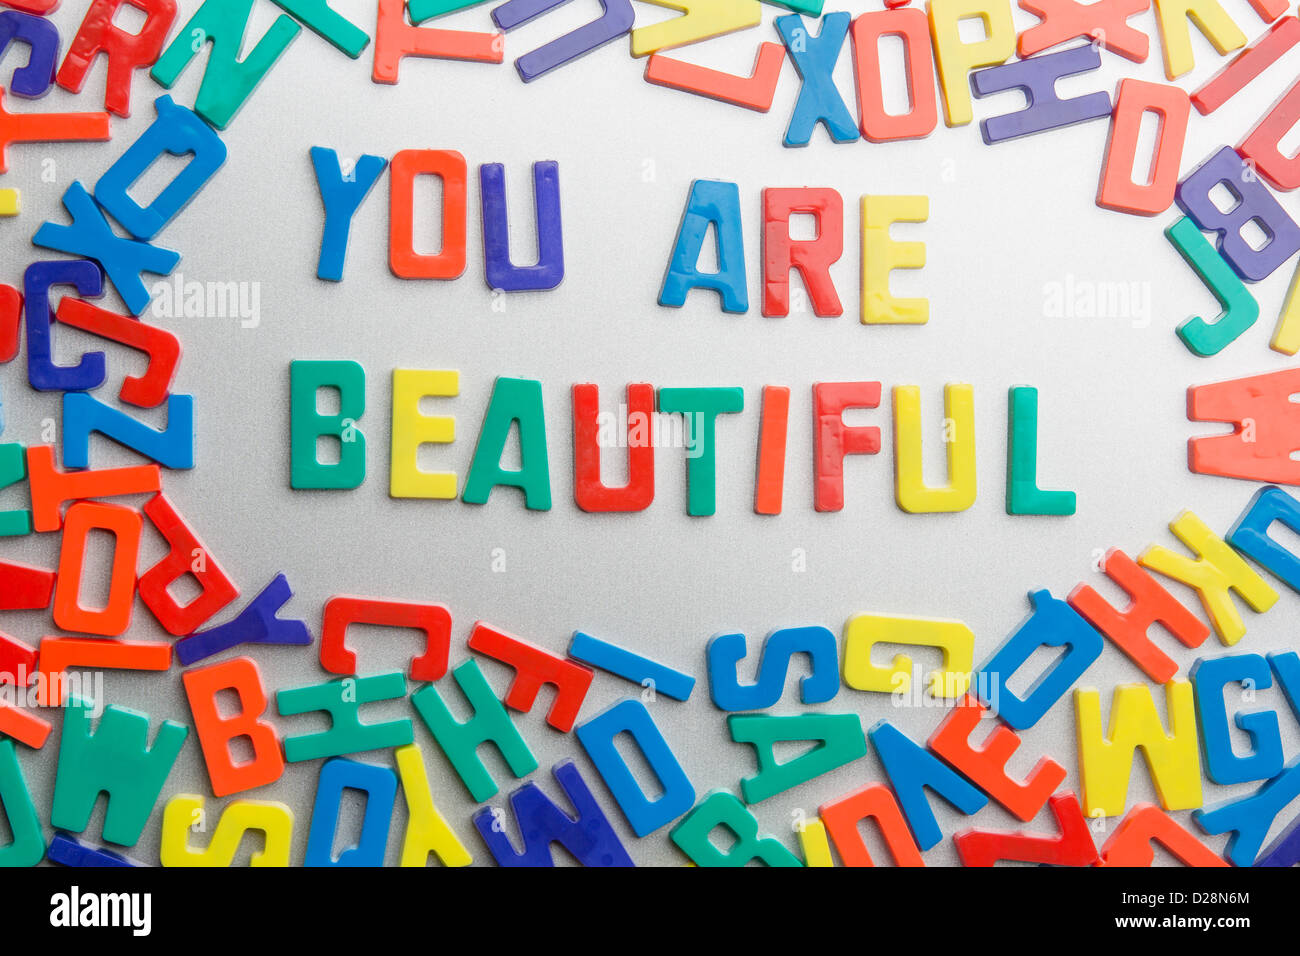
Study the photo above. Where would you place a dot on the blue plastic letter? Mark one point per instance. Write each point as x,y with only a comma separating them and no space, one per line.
814,59
716,203
597,738
341,195
256,624
1250,534
912,768
1250,818
1052,623
588,836
501,272
1210,676
630,666
42,373
1255,203
177,131
380,786
91,236
173,447
726,650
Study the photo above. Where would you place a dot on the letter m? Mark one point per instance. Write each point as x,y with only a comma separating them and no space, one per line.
1266,432
1105,762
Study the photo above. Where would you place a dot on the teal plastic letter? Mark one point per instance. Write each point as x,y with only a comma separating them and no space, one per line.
722,809
700,408
306,424
513,400
227,80
28,844
839,741
460,741
116,759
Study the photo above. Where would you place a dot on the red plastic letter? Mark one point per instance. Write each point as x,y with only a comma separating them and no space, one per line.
163,348
1130,844
1117,190
433,619
23,726
126,52
841,818
1074,847
24,588
1104,20
1247,65
987,766
11,311
17,662
39,7
59,653
754,92
396,38
912,27
51,488
770,485
535,666
590,493
115,616
1262,144
405,262
1150,604
1260,447
812,257
48,128
187,556
216,732
832,439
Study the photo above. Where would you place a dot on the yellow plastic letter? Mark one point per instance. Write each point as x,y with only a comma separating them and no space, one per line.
956,59
1217,571
1176,36
881,255
701,19
1105,763
412,429
1286,336
959,438
864,631
426,831
814,843
185,810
